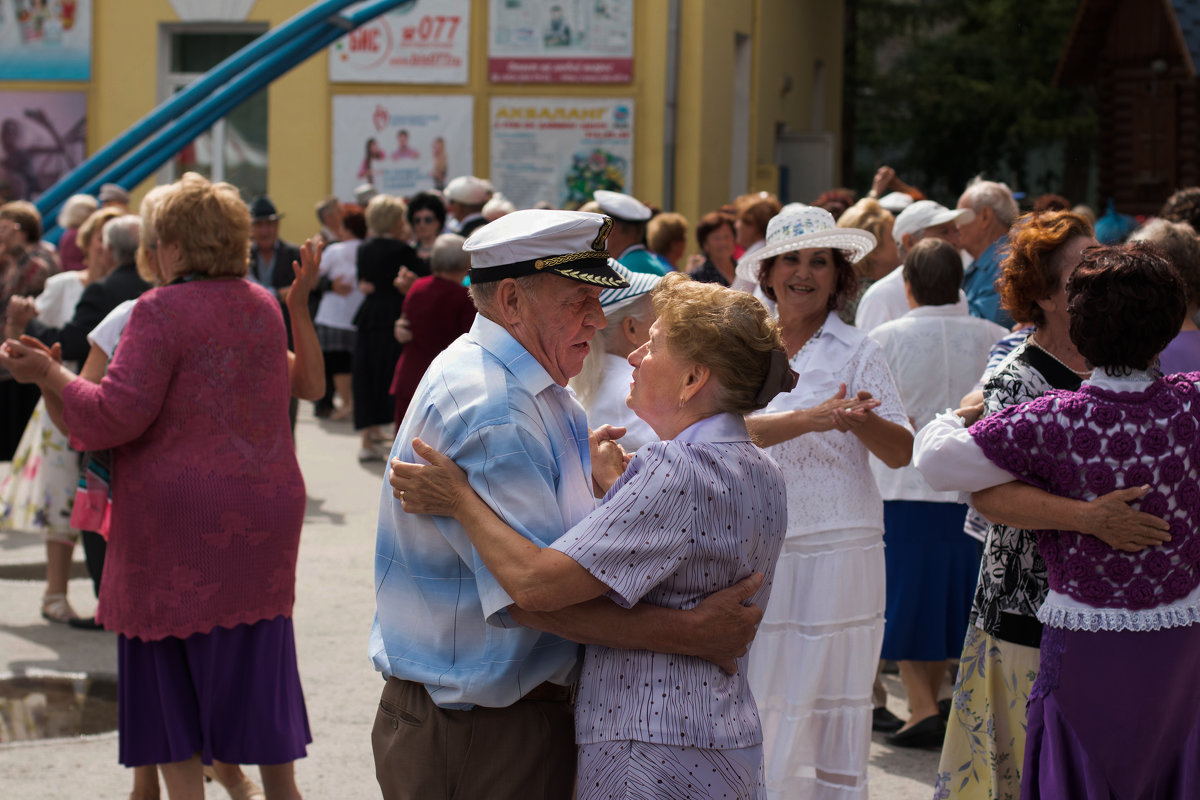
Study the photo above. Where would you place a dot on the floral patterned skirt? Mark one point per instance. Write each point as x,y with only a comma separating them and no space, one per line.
984,747
39,492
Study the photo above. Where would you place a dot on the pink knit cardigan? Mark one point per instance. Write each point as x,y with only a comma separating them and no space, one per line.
208,499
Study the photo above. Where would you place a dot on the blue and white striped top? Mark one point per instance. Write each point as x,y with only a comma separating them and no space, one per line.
523,440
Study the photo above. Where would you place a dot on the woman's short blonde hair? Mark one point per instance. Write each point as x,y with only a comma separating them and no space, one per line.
210,222
77,209
866,215
727,331
384,213
148,246
93,225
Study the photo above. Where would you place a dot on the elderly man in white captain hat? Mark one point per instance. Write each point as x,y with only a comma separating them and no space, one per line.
475,705
628,238
466,196
603,385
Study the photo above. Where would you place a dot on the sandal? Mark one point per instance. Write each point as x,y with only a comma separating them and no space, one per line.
55,608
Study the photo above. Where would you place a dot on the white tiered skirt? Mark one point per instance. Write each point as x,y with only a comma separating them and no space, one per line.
813,663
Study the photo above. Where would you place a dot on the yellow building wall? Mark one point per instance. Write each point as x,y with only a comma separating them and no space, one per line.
786,37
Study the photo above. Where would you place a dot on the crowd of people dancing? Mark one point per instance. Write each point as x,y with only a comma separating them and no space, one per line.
650,524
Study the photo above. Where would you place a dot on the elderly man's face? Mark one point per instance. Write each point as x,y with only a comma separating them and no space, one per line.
976,235
558,320
947,232
265,231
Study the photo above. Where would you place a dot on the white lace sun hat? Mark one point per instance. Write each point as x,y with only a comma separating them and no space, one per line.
801,227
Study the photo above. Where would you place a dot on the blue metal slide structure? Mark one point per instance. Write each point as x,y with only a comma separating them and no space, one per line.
154,139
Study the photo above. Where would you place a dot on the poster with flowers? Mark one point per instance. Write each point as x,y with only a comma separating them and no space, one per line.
559,150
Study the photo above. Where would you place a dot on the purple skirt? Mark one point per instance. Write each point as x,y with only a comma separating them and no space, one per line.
229,694
1115,714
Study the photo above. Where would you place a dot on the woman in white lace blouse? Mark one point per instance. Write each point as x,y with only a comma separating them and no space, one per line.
817,648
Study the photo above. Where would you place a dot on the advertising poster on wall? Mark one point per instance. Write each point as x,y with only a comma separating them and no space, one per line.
427,42
560,150
45,40
400,143
560,41
42,137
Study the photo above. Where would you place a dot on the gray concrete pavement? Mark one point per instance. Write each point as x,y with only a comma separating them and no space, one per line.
335,601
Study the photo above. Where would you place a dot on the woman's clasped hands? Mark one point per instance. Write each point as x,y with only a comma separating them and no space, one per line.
841,413
28,359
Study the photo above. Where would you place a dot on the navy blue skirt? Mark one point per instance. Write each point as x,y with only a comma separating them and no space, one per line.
229,694
932,569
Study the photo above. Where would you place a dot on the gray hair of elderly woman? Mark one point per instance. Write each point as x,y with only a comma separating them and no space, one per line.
1181,245
996,196
122,237
448,256
77,209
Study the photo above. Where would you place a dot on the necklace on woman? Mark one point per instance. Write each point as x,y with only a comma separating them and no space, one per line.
1082,373
810,339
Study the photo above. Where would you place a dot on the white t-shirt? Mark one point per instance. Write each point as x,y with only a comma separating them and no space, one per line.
56,304
885,300
108,332
338,310
934,354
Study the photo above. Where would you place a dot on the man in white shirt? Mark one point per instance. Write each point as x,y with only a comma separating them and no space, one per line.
924,219
934,352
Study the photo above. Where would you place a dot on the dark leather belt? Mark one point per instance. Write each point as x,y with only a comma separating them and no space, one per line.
550,693
1019,629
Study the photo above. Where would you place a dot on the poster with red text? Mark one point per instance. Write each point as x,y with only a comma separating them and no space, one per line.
401,144
560,41
425,43
560,150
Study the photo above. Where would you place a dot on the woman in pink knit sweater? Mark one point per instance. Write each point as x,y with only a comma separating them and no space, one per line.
208,499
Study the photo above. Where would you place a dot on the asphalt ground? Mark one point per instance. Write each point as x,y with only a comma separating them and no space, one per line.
334,605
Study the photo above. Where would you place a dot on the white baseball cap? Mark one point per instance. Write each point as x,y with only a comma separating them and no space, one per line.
925,214
469,190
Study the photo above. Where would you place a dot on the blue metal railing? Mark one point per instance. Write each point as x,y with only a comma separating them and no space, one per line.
154,139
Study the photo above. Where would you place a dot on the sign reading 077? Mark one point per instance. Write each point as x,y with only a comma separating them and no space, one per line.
426,43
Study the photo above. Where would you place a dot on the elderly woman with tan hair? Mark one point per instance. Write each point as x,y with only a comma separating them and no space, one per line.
387,267
208,499
876,220
692,513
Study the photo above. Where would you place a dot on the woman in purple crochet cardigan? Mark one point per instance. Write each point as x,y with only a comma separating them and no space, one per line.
208,499
1115,710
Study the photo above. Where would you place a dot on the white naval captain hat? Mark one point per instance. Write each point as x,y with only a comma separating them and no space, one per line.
534,241
622,206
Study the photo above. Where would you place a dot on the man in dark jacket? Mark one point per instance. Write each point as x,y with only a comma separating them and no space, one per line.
271,266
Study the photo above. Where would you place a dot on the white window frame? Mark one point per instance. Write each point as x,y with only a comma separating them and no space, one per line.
170,82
